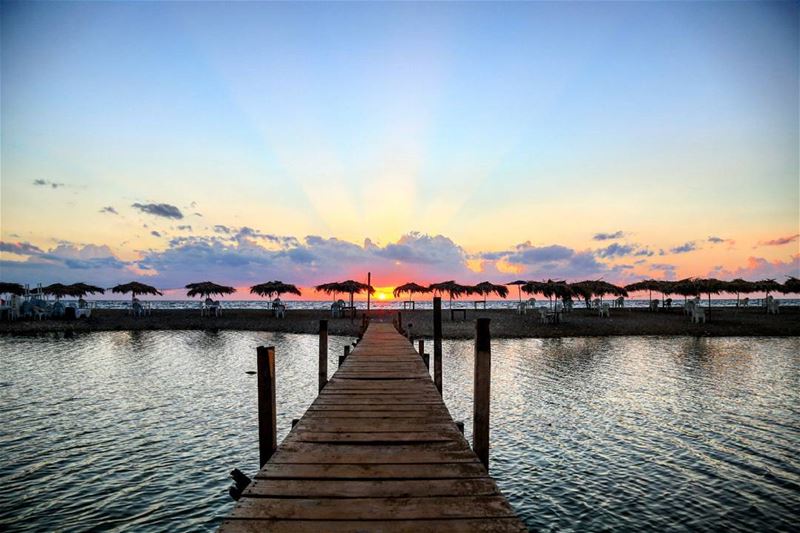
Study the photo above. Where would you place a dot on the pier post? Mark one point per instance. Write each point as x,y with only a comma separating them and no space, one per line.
426,358
343,357
482,381
323,354
410,336
437,342
400,322
421,344
267,412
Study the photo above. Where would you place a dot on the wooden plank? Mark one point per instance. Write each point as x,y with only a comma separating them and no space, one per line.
373,508
405,488
382,471
496,525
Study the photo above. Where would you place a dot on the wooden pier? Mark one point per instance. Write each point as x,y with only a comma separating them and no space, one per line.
376,451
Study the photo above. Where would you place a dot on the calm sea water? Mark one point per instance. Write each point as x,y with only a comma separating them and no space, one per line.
137,431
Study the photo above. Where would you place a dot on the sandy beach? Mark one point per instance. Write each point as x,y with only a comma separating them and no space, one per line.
505,323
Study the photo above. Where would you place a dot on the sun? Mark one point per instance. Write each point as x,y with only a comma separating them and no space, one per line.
381,296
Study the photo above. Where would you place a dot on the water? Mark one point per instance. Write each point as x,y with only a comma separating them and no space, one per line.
138,430
511,303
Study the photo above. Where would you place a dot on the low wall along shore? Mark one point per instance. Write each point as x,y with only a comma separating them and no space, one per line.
505,323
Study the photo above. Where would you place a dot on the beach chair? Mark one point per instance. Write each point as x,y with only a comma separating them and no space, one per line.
542,315
688,309
568,306
699,315
619,302
336,309
279,310
596,303
745,302
522,308
668,303
605,310
654,305
773,307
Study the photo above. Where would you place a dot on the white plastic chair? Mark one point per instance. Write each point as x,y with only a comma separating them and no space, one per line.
605,310
699,315
543,315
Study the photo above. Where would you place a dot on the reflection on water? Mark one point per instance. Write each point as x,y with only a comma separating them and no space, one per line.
138,430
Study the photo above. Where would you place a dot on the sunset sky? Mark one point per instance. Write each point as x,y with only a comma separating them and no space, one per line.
244,142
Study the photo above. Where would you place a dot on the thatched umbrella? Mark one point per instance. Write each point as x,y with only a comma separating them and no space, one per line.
207,288
452,288
549,288
648,285
11,288
350,286
791,285
59,290
333,288
135,288
274,288
485,288
82,289
768,286
740,286
409,288
519,283
583,289
601,288
709,286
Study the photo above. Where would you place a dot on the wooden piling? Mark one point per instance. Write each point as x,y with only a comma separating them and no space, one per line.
267,412
323,354
482,381
437,343
426,358
400,322
421,344
343,357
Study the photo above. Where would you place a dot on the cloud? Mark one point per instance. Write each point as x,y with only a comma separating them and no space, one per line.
20,248
608,236
68,263
46,183
622,250
780,241
185,227
110,210
758,268
159,210
716,240
667,270
155,233
684,248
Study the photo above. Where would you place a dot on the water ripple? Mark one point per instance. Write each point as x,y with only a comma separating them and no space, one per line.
137,431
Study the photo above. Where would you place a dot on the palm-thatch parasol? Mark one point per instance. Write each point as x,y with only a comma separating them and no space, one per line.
600,288
350,286
409,288
485,288
519,283
453,289
740,286
11,288
134,287
648,285
709,286
583,289
82,289
207,288
59,290
548,288
768,286
274,288
792,285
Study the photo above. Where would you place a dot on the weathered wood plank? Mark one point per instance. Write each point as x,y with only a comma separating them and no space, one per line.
405,488
496,525
373,508
373,472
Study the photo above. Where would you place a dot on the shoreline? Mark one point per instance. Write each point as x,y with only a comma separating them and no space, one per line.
722,322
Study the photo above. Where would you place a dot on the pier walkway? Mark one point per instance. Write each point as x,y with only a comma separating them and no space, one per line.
376,451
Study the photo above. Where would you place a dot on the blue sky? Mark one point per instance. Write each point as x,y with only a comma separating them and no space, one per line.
491,124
